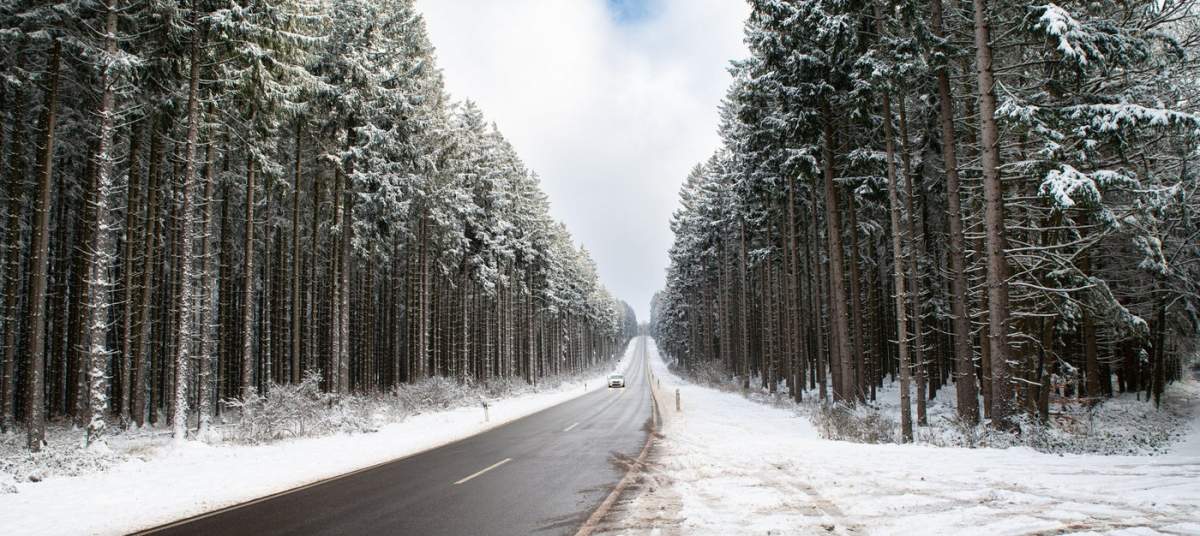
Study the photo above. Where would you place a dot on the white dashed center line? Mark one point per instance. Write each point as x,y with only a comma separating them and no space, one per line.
569,428
486,469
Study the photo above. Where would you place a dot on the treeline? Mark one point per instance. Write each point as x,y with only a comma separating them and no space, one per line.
995,195
204,198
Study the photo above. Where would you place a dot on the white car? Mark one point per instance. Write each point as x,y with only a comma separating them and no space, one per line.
616,380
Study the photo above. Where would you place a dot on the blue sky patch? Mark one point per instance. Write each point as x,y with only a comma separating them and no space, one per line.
630,11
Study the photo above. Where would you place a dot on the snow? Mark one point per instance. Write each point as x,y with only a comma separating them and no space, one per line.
1068,186
735,466
1073,40
163,481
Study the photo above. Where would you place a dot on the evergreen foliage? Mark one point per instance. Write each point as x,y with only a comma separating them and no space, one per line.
206,199
858,166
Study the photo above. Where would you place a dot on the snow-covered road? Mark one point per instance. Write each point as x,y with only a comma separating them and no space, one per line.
728,465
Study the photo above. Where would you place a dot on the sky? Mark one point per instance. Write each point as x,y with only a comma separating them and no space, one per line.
611,102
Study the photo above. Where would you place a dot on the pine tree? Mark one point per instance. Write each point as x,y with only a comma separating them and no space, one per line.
1081,161
40,252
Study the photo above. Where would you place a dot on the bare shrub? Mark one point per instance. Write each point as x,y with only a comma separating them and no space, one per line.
858,424
506,387
709,374
63,455
296,410
436,393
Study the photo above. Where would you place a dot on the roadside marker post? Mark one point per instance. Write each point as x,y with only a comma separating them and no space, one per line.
677,400
485,411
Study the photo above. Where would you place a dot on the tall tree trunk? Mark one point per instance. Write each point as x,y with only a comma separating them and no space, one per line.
465,345
266,314
964,364
78,351
816,287
183,297
343,319
40,256
856,381
132,238
744,309
916,252
422,354
335,286
207,292
58,344
837,294
313,289
226,324
15,187
993,192
247,361
898,264
1091,359
296,267
1158,351
140,379
876,319
101,257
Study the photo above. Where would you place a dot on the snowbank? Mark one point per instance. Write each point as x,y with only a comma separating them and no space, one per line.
162,482
739,467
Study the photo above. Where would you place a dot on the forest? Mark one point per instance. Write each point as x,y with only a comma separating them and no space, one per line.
994,197
205,199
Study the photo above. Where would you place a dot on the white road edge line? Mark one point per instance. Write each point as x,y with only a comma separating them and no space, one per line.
569,428
488,468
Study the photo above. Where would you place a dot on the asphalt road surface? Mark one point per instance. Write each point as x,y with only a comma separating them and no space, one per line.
542,474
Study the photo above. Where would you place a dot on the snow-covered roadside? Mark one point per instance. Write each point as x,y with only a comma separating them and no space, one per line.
740,467
172,482
1127,423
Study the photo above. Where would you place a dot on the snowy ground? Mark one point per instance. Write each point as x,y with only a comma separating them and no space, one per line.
159,482
728,465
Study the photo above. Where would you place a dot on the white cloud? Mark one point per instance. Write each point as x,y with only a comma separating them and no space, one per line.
611,115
